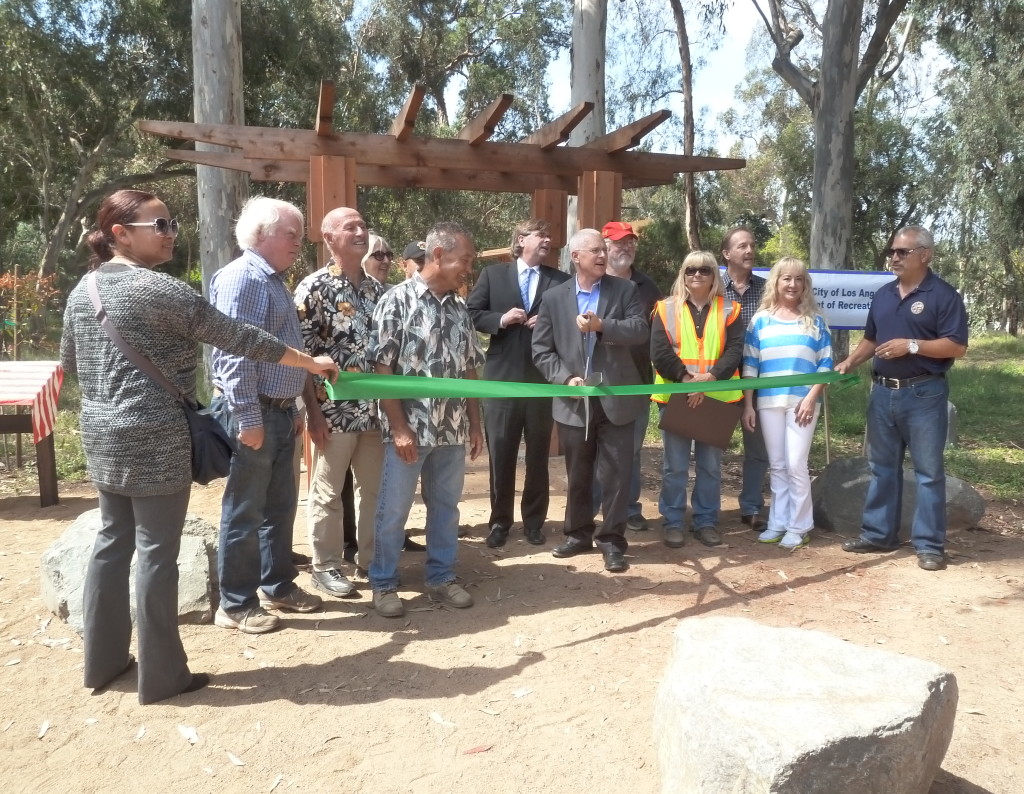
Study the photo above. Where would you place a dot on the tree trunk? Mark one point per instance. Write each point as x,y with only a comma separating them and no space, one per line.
835,96
586,84
217,69
691,219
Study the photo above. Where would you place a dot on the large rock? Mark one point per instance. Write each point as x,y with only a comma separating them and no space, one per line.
748,708
63,567
839,493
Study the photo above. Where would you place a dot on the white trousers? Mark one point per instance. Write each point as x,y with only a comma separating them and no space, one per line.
364,452
788,446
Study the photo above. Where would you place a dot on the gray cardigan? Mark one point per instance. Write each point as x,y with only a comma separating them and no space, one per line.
134,433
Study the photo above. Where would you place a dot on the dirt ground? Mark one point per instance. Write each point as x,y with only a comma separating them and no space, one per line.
546,684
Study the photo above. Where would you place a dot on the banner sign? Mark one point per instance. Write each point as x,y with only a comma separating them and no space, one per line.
844,295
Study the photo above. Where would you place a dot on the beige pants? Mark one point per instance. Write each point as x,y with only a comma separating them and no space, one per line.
364,452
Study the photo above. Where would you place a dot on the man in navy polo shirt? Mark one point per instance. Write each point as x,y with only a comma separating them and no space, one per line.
916,327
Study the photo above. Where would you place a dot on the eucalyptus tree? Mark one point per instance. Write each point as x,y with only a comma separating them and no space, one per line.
829,83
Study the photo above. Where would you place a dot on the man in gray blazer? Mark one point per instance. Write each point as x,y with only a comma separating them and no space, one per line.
583,335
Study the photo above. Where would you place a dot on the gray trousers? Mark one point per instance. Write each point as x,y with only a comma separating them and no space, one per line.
151,526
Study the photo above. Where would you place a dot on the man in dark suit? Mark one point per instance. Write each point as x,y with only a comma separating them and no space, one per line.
584,332
504,303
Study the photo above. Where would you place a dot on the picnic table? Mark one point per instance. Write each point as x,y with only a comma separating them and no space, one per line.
37,385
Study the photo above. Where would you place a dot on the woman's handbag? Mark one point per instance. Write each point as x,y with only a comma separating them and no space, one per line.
212,447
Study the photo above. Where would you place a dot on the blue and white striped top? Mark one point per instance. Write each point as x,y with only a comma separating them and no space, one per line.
775,347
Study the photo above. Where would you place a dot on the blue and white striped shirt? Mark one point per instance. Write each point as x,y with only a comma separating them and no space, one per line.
250,290
777,347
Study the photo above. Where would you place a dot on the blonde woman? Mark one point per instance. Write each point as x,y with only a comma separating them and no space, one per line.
696,337
378,259
787,336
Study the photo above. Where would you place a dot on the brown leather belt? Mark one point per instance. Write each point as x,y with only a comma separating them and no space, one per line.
282,403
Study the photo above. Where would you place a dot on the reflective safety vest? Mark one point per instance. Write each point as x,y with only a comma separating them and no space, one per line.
698,354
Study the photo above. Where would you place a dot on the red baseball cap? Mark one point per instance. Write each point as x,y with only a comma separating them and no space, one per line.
616,230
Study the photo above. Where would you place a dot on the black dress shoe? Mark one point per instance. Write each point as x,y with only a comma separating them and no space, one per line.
754,521
861,546
300,559
931,562
412,545
497,537
535,537
571,547
615,561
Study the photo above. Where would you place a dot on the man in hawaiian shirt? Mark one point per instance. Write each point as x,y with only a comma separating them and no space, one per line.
336,306
421,328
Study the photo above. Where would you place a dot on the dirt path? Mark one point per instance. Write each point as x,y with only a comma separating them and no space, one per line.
546,684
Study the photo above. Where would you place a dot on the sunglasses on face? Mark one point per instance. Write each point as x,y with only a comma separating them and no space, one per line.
892,253
380,256
703,270
161,226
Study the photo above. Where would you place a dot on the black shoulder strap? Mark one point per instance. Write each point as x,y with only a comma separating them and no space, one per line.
129,352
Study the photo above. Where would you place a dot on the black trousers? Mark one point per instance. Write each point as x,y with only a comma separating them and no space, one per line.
506,423
607,452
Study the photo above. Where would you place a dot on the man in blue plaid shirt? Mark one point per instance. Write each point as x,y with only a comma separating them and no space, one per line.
256,404
746,288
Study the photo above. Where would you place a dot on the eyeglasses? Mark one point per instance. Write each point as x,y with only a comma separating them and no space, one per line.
161,226
380,256
594,251
703,270
892,253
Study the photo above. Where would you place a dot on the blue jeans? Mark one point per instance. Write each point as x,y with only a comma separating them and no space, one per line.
443,470
633,508
913,417
755,467
707,487
257,513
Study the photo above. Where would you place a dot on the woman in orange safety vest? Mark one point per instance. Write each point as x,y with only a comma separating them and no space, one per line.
696,337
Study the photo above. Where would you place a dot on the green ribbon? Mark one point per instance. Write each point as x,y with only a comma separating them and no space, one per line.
361,386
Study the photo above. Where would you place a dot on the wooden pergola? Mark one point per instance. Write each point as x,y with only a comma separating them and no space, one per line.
333,164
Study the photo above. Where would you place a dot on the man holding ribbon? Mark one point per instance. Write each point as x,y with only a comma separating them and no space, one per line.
421,329
583,337
505,303
916,329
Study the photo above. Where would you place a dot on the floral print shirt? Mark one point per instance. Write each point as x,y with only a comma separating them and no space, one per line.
335,317
417,334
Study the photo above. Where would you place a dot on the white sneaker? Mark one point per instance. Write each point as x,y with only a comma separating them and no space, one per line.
771,536
794,540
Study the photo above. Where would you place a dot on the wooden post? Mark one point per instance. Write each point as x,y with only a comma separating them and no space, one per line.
552,206
332,184
600,199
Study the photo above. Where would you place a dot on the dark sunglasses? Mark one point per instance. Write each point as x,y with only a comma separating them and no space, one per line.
890,253
161,226
703,270
380,256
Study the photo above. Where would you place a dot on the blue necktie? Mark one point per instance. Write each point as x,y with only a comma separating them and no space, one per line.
524,287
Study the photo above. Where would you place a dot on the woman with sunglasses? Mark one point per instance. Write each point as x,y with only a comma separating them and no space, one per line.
696,337
378,259
136,438
787,336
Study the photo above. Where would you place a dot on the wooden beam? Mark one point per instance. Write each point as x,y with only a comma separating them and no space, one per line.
405,121
559,130
479,128
325,109
629,136
381,176
289,144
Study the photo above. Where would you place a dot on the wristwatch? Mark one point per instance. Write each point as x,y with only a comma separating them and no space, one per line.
913,347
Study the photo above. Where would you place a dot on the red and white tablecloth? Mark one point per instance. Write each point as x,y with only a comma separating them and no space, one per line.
35,383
